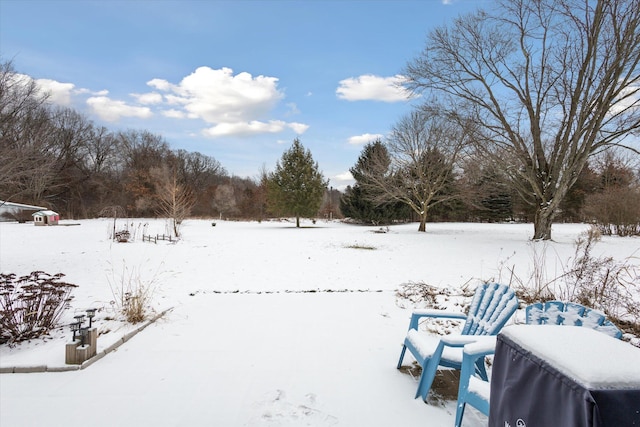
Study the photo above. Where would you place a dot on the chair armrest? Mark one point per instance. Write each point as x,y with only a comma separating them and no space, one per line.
419,314
438,313
472,341
484,346
458,340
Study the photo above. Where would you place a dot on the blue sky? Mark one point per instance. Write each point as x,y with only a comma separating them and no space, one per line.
236,80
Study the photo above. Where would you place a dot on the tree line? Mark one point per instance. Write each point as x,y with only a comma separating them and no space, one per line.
607,192
56,157
526,112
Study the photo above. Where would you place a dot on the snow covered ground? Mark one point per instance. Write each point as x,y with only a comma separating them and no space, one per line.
268,325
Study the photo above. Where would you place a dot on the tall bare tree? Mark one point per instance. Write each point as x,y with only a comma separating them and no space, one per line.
25,169
140,152
548,84
423,148
174,199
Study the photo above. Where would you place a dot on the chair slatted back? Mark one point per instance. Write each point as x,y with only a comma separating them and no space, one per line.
570,313
491,307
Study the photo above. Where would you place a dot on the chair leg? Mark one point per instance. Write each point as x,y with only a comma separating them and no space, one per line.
480,369
404,349
429,369
426,379
459,413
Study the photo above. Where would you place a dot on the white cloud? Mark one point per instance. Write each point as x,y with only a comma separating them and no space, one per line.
629,99
234,104
174,114
298,128
112,110
345,176
148,98
245,128
370,87
217,96
342,180
59,93
365,138
160,84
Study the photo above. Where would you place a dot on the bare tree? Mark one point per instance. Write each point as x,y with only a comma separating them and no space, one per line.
423,150
25,169
140,152
200,174
67,143
174,199
548,83
224,200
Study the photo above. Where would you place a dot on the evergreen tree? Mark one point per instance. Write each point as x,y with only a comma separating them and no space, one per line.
494,202
297,186
356,203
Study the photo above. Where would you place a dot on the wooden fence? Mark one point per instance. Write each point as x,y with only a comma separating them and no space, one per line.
157,237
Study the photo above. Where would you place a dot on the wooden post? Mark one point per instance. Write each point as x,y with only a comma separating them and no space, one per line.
76,354
82,353
70,355
92,338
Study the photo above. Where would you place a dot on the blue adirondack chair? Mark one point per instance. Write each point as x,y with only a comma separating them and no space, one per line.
474,390
570,313
491,307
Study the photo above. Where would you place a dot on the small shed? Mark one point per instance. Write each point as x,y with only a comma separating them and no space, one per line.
46,217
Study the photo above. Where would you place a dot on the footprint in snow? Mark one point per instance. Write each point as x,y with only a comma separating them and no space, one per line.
277,410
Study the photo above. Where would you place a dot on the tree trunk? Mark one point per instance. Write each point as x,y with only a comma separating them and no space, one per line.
297,221
423,222
542,223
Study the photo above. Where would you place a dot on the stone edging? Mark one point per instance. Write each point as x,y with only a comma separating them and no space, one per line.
86,363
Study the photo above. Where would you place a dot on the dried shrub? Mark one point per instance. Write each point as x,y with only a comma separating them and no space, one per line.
32,305
616,211
132,295
422,295
601,283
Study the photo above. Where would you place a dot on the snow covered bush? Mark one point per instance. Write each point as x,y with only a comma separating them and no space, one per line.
31,305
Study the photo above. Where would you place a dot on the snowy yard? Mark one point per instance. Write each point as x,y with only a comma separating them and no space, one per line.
268,325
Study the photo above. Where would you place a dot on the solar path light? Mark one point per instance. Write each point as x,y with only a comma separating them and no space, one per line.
91,313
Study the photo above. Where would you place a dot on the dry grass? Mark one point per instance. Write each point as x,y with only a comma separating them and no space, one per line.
132,295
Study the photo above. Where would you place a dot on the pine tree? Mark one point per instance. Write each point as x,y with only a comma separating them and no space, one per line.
357,203
297,186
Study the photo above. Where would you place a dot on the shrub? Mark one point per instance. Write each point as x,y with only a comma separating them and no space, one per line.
616,211
602,283
32,305
132,294
422,295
